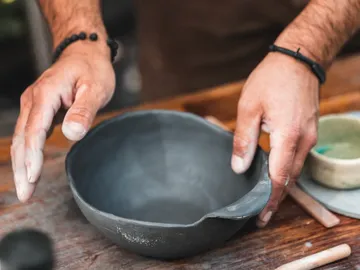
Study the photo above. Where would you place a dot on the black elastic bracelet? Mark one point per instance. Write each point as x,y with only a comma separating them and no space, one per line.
82,36
315,67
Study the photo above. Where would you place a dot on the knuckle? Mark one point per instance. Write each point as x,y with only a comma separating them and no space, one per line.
311,138
274,204
88,83
290,138
25,100
81,112
245,107
294,132
274,201
295,176
291,144
94,89
279,178
39,92
240,144
27,128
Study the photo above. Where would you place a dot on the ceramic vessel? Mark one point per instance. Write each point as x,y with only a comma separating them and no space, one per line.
335,160
159,183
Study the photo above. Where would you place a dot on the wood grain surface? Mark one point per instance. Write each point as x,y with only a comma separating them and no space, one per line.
292,233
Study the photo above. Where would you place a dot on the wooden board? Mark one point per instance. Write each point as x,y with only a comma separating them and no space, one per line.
291,235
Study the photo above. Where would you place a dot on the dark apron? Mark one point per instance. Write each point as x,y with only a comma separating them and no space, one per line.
187,45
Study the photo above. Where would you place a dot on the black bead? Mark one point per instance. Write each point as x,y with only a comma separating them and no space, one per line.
113,47
67,41
110,42
93,37
82,35
74,38
62,46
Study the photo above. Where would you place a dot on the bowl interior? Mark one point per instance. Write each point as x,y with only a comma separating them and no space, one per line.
339,137
158,166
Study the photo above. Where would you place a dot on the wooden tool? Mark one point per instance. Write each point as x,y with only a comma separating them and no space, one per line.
315,209
319,259
311,206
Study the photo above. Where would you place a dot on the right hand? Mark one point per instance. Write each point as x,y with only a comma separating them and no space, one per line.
82,81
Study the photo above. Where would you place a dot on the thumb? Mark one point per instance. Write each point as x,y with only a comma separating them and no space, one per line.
81,114
245,138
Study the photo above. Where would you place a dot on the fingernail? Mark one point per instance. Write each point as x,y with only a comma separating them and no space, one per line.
34,160
21,193
262,222
237,164
31,179
73,131
267,217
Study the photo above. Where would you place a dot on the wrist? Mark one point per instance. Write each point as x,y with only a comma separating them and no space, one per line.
291,63
296,36
85,43
60,34
305,49
88,48
315,67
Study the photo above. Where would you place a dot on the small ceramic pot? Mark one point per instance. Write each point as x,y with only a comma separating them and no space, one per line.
335,160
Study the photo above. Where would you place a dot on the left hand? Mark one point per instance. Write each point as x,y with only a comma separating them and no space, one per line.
81,81
281,96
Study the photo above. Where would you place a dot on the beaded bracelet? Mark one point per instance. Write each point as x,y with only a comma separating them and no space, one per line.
82,36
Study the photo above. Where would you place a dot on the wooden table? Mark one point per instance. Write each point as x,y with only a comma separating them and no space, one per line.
290,235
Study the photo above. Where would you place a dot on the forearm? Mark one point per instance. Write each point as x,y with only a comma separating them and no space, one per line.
67,17
322,28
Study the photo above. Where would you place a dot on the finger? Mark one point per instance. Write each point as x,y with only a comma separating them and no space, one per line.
45,105
58,119
24,189
306,143
245,136
283,149
81,114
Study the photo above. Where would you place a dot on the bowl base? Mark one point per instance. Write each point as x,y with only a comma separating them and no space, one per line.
167,210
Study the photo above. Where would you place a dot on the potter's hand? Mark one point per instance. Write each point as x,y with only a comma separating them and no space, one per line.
82,81
281,98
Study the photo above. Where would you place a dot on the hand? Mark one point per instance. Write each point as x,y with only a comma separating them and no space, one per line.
82,81
281,97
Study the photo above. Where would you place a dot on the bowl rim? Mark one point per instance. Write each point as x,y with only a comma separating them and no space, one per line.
331,160
247,205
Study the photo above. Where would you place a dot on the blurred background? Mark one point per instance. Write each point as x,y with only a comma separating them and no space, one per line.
25,52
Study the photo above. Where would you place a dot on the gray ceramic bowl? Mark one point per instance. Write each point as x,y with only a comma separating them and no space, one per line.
159,183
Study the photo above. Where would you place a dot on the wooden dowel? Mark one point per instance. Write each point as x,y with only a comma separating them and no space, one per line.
311,206
318,259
